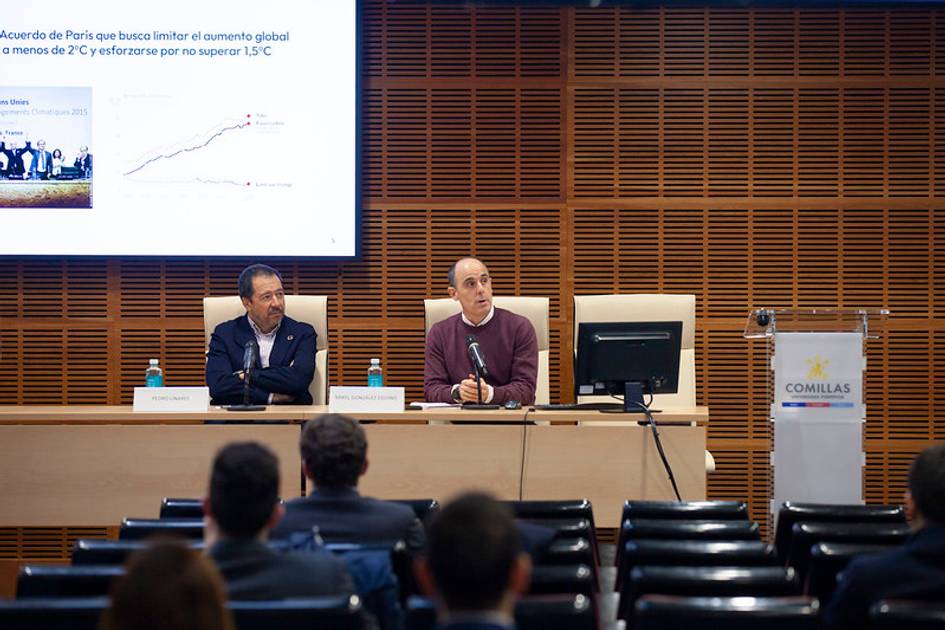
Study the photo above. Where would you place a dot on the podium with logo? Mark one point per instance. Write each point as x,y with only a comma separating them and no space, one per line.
817,361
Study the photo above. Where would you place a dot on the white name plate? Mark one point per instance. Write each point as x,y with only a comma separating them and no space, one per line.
172,399
376,399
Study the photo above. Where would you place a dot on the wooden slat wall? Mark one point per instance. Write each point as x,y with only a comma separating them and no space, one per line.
752,156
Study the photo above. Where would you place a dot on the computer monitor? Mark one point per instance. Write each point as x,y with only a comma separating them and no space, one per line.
611,355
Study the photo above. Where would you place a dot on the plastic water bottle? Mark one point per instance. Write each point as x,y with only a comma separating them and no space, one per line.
153,376
375,376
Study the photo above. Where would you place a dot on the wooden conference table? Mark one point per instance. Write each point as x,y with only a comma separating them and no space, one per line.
82,466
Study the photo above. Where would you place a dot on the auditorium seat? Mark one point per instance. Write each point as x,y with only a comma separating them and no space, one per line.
568,551
423,508
688,510
52,613
693,553
66,581
907,615
806,535
181,508
689,530
706,581
672,612
325,613
98,551
575,579
791,513
397,554
141,528
533,612
566,527
564,509
827,559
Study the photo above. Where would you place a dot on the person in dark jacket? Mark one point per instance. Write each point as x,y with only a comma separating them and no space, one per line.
242,507
334,456
917,570
474,567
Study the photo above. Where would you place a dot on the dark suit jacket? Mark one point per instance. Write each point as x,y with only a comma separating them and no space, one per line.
253,571
916,571
343,515
34,165
291,363
84,165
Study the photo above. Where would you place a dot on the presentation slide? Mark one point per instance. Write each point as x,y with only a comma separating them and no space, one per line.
177,128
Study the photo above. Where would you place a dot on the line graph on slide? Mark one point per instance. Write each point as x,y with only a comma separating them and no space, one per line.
168,156
188,144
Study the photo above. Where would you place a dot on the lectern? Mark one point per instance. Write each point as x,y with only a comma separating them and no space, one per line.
817,361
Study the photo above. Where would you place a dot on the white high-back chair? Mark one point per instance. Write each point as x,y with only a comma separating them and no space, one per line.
311,309
535,309
644,307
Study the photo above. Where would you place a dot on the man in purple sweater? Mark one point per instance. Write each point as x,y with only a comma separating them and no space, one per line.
507,340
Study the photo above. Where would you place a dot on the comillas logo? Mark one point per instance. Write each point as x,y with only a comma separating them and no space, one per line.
817,371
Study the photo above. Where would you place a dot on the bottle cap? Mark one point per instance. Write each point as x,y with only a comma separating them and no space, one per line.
153,361
375,361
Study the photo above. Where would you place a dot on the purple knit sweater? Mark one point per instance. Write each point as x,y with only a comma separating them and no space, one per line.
510,347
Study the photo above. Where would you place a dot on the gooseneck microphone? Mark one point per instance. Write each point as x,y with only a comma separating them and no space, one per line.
250,352
476,356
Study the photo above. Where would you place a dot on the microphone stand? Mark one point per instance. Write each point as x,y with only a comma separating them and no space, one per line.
246,406
479,404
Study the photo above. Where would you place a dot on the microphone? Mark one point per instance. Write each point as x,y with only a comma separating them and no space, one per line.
249,355
476,355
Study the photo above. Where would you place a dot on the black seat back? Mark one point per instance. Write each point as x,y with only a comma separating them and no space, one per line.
181,508
694,553
791,513
827,559
533,612
706,581
537,510
56,613
907,615
423,508
689,530
66,581
328,613
142,528
99,551
574,579
671,612
686,510
806,535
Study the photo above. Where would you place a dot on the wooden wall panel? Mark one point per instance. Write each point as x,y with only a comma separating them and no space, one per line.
752,156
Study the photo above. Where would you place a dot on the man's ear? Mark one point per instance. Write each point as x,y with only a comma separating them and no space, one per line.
521,575
278,511
246,302
364,466
206,507
911,510
452,292
305,471
421,570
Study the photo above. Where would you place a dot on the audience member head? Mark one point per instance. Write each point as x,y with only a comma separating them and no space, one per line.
471,286
474,562
168,586
243,497
260,288
925,498
334,451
